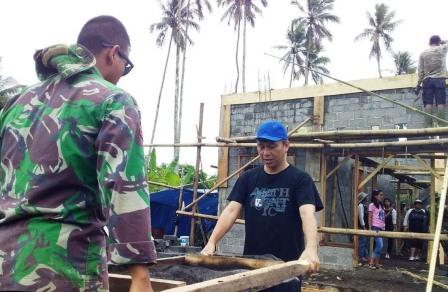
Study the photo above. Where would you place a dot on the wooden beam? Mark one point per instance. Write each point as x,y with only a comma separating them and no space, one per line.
122,283
356,178
374,172
319,110
223,262
223,152
426,166
388,234
323,188
254,280
333,171
438,230
177,260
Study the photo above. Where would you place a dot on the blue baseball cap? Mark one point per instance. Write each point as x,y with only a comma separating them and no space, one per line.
272,131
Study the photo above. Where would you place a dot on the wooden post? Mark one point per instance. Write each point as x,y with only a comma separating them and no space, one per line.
355,210
432,218
196,174
323,189
223,152
333,200
397,208
438,228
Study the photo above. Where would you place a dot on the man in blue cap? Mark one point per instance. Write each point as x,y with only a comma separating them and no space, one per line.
279,204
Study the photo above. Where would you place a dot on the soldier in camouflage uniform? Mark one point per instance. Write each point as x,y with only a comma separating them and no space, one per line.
72,162
432,75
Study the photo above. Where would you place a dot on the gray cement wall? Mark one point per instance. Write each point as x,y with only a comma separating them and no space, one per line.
349,111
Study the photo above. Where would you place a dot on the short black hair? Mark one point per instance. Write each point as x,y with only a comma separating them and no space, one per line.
102,30
435,40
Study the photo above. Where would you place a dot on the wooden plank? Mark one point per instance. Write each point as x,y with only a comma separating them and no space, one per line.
256,279
319,110
122,283
177,260
219,261
333,171
438,230
426,166
223,152
323,188
373,173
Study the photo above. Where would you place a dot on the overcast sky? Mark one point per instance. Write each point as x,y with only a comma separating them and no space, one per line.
29,25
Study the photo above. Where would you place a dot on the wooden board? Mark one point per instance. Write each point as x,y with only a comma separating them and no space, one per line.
256,279
318,110
122,283
223,152
228,262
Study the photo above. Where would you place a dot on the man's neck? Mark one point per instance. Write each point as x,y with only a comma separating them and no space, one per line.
281,167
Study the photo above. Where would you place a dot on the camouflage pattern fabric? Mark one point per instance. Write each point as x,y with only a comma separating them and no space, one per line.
72,162
432,63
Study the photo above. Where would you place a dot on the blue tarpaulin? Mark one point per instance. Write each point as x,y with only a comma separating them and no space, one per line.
164,205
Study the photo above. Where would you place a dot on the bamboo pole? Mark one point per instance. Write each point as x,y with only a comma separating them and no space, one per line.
373,173
368,91
319,145
432,214
424,279
426,166
175,187
241,168
356,187
388,234
196,173
343,134
323,188
438,230
340,164
205,216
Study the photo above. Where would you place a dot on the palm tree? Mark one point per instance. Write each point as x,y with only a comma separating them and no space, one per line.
175,17
317,64
294,52
236,11
404,63
381,25
315,15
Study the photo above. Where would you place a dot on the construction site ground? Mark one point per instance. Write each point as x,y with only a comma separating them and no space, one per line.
389,278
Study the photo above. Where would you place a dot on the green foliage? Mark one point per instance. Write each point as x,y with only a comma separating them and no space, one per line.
404,63
175,175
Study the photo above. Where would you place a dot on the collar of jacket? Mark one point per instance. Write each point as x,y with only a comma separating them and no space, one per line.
65,61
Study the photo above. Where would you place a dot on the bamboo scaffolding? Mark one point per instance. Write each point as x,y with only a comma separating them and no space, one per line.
196,175
319,145
438,230
241,168
373,173
347,134
388,234
367,91
334,170
205,216
426,166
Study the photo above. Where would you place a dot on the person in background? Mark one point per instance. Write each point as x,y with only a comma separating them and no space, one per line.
363,223
376,223
432,76
416,220
391,224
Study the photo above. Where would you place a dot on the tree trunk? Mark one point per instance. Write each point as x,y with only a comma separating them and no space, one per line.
244,56
379,66
181,94
292,70
236,57
176,105
160,92
307,63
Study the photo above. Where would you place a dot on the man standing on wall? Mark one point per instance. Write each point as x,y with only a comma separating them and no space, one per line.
432,76
279,204
72,162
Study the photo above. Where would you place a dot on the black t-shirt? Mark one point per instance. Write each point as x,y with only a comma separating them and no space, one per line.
271,205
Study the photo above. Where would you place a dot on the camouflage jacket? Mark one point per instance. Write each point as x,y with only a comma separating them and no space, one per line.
72,162
432,63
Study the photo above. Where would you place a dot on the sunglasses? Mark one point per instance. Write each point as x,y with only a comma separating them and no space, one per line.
128,64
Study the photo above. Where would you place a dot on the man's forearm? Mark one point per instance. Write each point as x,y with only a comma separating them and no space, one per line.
225,222
310,232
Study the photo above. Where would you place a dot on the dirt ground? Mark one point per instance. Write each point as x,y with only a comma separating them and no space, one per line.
388,278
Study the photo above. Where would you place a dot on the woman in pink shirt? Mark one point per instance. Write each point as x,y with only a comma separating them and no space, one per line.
376,222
